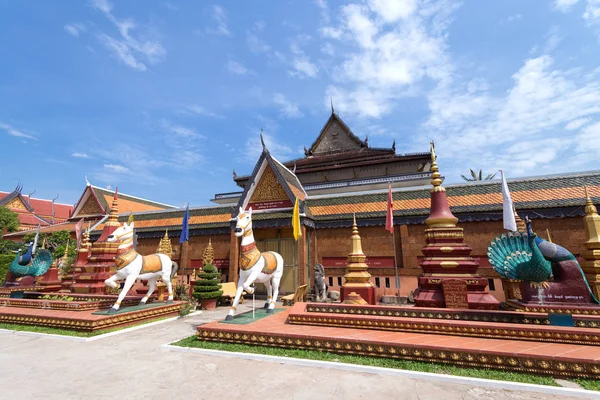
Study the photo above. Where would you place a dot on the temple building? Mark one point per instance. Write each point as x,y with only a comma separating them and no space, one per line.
341,176
33,212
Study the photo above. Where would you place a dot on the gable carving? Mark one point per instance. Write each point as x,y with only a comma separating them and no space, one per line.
91,207
268,188
16,204
335,138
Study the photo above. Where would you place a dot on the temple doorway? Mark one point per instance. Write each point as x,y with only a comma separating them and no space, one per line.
289,251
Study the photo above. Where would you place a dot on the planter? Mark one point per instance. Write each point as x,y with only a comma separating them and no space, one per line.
208,304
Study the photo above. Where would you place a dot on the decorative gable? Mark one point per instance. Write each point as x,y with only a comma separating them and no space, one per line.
90,207
336,136
17,204
268,193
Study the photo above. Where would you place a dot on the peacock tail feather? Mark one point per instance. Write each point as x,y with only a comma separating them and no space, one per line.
40,264
507,251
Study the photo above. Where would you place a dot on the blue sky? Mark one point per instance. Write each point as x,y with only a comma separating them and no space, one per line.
164,99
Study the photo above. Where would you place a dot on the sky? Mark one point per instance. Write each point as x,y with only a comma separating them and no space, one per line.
164,99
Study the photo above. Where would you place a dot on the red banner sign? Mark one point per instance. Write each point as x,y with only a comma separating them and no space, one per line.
267,205
373,262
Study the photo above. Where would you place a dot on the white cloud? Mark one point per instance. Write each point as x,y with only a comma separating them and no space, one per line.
75,29
127,48
391,47
510,18
16,132
328,49
80,155
119,169
255,44
564,5
185,142
220,17
185,132
300,61
236,68
576,124
286,107
521,131
199,110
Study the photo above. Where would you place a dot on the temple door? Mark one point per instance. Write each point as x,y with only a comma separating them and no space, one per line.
287,249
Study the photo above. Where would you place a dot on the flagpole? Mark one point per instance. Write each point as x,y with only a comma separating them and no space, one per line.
396,261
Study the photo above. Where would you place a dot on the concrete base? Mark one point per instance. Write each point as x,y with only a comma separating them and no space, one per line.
366,292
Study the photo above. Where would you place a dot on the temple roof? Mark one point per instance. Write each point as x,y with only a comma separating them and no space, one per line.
33,211
338,147
271,178
552,196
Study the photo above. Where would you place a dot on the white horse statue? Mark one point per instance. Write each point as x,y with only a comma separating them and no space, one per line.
255,266
132,266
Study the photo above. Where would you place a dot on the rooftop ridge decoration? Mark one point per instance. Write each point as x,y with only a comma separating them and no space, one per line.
591,256
334,118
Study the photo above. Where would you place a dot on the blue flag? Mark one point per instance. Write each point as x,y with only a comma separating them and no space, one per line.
185,230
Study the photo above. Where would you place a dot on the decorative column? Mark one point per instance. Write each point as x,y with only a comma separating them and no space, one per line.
302,278
357,287
591,256
449,276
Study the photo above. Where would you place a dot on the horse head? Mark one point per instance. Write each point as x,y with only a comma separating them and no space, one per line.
244,222
121,233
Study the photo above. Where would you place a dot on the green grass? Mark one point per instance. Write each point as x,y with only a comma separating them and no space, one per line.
66,332
193,341
589,384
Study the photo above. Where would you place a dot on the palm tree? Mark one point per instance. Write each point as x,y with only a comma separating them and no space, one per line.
478,177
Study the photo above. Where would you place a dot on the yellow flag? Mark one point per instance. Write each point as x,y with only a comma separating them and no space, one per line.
296,221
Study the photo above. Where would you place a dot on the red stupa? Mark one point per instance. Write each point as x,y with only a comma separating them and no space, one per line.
449,276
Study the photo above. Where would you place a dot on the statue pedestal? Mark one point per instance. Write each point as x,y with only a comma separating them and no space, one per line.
50,282
367,293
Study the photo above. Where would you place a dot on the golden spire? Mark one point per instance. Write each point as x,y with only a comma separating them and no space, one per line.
521,227
113,218
591,220
44,243
436,180
208,257
590,208
85,242
66,255
356,241
164,246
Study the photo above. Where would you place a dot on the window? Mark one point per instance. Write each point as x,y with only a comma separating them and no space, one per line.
330,281
339,281
377,282
492,284
387,282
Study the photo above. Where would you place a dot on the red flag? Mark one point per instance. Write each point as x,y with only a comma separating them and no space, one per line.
389,218
78,231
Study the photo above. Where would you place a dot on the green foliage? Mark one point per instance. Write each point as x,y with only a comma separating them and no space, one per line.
209,284
5,260
9,247
181,292
482,373
478,176
8,219
55,242
589,384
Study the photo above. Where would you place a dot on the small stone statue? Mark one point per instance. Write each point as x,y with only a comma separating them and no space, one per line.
320,286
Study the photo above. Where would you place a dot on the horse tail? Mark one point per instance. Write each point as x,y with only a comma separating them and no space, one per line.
174,269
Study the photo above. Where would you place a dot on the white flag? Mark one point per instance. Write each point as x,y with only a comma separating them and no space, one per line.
507,207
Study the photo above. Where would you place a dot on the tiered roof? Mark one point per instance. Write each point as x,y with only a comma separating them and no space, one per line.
34,212
552,196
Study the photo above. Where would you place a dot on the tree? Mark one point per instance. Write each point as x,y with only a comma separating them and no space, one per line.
9,220
478,177
55,242
208,287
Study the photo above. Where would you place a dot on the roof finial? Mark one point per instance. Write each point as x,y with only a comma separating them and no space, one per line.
590,208
234,174
262,140
116,193
435,174
87,183
331,101
394,145
294,170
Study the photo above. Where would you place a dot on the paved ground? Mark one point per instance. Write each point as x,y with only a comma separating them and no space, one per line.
132,366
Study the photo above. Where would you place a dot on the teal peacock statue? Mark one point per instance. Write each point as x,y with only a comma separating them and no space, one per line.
37,265
516,255
527,257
